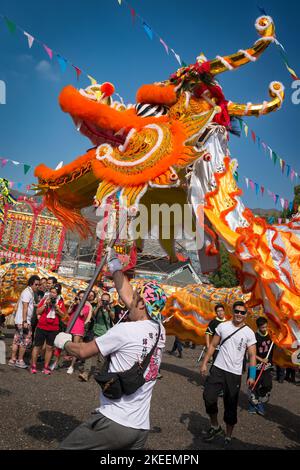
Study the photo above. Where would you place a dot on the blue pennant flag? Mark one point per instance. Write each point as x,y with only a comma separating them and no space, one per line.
148,30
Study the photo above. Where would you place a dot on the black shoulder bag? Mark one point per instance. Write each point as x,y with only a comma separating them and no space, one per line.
225,339
116,384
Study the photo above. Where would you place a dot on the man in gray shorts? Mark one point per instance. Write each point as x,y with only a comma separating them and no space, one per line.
122,423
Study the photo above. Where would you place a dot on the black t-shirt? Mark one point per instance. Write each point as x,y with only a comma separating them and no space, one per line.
211,329
263,345
119,312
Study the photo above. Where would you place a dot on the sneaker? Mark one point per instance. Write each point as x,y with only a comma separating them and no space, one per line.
227,442
12,362
212,433
53,366
21,364
46,371
33,370
70,370
260,409
84,376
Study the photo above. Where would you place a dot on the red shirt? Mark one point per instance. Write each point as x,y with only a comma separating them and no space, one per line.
50,324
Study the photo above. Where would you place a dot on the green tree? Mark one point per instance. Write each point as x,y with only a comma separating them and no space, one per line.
225,276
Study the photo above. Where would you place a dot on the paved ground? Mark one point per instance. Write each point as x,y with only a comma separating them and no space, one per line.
39,411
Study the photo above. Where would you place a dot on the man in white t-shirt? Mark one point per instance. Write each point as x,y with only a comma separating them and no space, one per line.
122,423
234,339
23,336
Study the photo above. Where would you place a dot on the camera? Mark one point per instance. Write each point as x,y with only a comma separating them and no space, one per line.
53,302
105,302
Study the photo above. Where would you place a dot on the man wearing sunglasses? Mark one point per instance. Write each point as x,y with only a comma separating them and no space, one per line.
234,339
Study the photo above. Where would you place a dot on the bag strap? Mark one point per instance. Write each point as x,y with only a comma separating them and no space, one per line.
236,331
146,360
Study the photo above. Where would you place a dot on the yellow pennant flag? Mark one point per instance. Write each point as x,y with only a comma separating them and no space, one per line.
93,81
246,130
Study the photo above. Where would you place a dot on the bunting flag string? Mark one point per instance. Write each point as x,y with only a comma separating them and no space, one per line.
285,168
62,61
254,186
282,52
4,161
18,185
150,31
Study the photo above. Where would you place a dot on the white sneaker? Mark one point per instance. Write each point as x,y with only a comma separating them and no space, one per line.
70,370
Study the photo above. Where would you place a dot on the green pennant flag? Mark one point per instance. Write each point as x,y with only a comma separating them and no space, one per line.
10,25
183,64
240,123
26,169
236,176
274,156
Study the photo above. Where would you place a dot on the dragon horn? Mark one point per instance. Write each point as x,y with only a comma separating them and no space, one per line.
265,27
276,91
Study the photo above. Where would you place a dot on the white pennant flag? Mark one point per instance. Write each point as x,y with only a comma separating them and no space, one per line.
15,163
247,182
177,57
30,39
282,202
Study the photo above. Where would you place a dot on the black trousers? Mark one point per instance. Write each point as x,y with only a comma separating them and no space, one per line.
218,380
264,385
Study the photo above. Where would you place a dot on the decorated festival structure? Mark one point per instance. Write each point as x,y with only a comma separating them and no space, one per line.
31,233
172,146
5,197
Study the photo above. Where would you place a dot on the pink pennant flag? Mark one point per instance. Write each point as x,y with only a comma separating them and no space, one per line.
78,71
252,186
132,11
264,146
286,204
279,221
11,184
3,162
30,39
292,174
274,197
165,45
49,51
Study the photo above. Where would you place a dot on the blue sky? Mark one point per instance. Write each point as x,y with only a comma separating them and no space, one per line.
98,36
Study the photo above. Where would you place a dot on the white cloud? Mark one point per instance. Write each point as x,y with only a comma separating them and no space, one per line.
25,59
46,71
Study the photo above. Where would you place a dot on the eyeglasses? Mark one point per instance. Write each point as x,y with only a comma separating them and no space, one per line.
241,312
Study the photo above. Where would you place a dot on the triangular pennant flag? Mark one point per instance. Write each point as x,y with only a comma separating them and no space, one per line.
291,205
236,176
165,45
276,198
15,163
292,174
11,184
93,80
253,136
3,161
262,190
132,11
251,185
279,220
10,25
282,202
26,169
256,188
177,57
78,71
247,182
241,124
258,142
288,169
62,62
30,39
48,50
286,204
148,30
271,152
283,166
119,2
246,129
274,156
